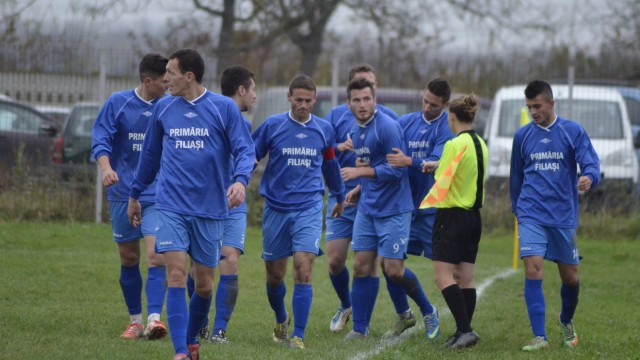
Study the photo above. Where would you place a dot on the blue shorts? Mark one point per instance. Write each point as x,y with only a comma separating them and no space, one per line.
284,233
235,227
420,235
342,226
122,230
552,243
201,238
388,235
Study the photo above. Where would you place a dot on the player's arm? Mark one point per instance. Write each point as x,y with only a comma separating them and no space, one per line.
260,141
392,138
516,174
243,151
589,162
102,136
109,176
150,157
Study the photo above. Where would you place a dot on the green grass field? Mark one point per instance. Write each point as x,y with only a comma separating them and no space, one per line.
60,299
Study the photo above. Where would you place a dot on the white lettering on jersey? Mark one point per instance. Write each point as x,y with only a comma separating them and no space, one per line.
298,162
192,131
419,144
554,166
300,151
190,144
136,136
547,155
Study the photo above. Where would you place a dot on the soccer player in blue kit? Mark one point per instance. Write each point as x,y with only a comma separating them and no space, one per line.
300,150
340,229
425,133
116,144
385,205
544,196
238,83
187,146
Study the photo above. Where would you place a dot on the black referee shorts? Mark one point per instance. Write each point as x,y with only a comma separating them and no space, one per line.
456,235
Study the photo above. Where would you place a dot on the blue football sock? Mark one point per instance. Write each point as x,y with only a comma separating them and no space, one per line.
341,285
131,285
569,295
155,289
374,287
360,296
413,288
534,298
276,300
226,297
198,311
191,286
301,302
177,315
397,294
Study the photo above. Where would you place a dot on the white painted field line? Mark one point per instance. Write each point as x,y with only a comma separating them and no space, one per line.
388,341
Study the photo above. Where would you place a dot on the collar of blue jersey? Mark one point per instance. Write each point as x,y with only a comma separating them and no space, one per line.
434,120
194,101
370,119
550,125
135,91
303,123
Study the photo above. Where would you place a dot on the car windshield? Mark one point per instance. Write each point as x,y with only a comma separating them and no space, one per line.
633,108
81,120
600,118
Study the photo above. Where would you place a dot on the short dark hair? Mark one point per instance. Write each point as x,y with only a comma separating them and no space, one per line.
233,77
359,84
538,87
465,107
189,60
361,68
153,66
441,88
302,82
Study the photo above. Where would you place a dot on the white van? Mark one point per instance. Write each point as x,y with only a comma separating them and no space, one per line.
601,111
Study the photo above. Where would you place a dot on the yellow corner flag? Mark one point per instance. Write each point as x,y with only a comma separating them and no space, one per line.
524,117
441,187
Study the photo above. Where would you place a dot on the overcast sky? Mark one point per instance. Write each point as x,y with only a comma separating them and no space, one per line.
468,33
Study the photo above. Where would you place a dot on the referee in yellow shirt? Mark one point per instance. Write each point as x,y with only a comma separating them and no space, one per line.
457,226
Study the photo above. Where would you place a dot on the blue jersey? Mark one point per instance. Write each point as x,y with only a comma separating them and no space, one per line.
342,120
544,172
388,192
188,144
299,155
425,141
242,208
118,133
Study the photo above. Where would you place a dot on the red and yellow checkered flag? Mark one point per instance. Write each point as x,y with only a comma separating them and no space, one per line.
441,187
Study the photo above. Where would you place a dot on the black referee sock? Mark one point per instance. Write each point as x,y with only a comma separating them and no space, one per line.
470,301
455,300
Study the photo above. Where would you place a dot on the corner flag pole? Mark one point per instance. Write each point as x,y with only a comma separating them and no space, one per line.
524,120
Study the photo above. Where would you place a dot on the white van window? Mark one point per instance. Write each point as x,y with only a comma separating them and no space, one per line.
601,119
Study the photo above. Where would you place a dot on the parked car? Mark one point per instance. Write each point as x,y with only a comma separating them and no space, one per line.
631,97
600,110
72,149
58,113
25,132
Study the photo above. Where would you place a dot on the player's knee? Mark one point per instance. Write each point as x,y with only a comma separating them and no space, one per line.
129,259
336,265
155,259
